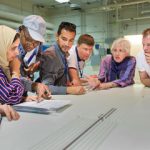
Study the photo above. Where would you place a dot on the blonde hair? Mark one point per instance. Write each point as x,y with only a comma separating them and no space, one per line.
124,43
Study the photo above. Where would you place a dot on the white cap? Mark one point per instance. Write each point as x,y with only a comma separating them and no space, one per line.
36,26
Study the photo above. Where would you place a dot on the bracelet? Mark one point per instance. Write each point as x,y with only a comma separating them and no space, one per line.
15,75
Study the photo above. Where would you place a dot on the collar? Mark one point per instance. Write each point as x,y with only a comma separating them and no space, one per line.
78,58
59,50
120,63
22,52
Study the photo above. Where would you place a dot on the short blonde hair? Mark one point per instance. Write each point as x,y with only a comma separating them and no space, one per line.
124,43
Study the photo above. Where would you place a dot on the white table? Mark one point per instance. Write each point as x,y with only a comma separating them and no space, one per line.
125,129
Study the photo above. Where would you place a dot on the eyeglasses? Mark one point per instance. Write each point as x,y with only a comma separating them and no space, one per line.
28,39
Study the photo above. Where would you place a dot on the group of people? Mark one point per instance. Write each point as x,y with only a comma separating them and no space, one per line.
61,65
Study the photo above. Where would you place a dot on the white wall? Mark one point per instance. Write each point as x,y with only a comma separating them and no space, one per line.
20,9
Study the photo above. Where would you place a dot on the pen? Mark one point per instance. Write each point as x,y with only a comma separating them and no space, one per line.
1,119
45,92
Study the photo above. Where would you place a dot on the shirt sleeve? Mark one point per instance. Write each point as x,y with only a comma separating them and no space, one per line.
56,90
139,60
72,63
104,68
11,93
127,77
27,84
102,71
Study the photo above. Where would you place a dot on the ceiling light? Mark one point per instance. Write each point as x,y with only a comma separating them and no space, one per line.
62,1
75,6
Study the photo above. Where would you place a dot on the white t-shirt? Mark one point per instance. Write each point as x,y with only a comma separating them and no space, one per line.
142,65
73,61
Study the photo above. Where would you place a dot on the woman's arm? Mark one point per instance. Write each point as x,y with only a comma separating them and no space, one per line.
10,113
10,92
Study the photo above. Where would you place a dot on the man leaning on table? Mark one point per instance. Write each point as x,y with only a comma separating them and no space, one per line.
78,55
54,67
32,33
143,59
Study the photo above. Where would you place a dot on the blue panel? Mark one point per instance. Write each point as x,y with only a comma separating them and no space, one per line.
97,46
44,47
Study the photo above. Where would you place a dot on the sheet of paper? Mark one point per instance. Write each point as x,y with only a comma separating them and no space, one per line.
46,104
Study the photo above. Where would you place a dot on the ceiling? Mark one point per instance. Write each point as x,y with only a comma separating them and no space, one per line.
85,4
52,5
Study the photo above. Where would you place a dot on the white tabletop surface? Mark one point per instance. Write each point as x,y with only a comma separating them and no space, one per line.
125,129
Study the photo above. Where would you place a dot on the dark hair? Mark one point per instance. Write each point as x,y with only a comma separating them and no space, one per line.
17,36
146,32
22,27
67,26
86,39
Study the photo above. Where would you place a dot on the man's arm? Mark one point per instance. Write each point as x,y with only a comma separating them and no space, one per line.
145,79
75,90
74,76
56,90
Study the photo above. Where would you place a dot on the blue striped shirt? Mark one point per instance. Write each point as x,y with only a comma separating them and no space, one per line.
10,91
